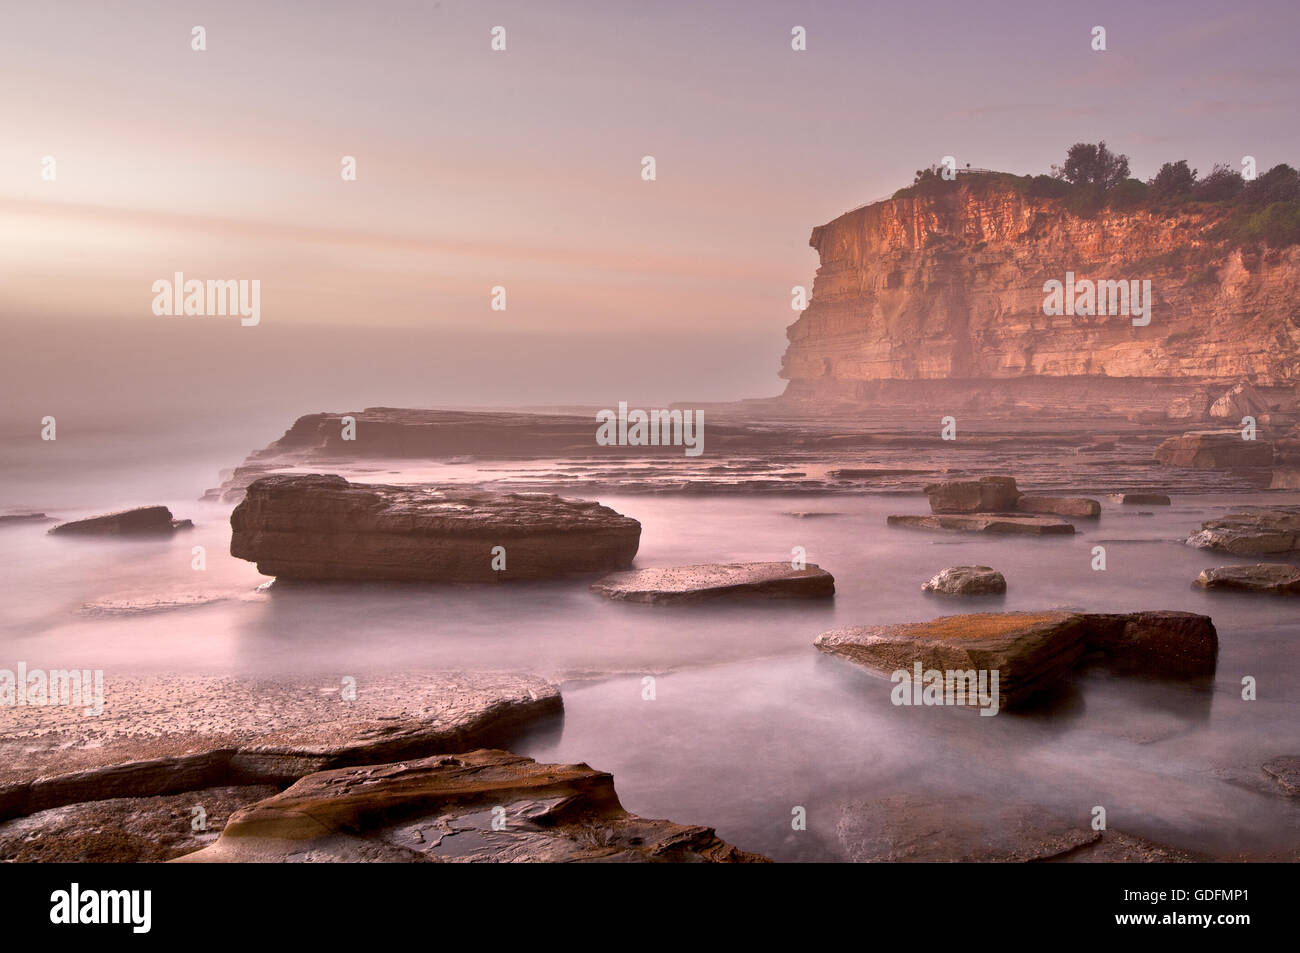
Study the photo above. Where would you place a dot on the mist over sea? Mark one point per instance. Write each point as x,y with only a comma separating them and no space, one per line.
749,720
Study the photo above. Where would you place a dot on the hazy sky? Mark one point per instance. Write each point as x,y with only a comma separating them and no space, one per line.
523,168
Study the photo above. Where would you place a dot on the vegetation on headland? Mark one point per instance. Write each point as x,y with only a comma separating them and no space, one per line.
1265,209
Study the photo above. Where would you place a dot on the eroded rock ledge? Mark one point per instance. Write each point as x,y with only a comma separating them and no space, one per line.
480,806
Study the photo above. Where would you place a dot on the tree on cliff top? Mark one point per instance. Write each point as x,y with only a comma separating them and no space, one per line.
1174,180
1088,164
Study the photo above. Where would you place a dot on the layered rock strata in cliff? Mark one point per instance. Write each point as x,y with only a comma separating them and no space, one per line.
942,297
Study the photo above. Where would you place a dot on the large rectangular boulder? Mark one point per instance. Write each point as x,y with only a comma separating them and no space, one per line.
322,527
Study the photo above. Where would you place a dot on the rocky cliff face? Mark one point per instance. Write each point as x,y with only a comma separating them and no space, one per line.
950,289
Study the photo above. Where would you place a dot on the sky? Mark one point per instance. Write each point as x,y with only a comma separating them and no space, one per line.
522,168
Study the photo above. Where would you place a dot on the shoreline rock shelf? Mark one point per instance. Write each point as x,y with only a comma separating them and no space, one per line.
1251,532
717,581
319,527
1214,449
482,806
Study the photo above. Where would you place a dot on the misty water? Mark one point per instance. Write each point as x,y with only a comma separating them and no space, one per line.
748,719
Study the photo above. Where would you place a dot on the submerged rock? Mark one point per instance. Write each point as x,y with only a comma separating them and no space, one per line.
1140,499
483,806
1259,577
1032,651
1214,449
143,520
325,528
10,519
941,828
986,495
1251,532
718,580
1285,772
967,581
986,523
1059,505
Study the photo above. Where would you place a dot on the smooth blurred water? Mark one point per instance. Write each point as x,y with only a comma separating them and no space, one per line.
749,719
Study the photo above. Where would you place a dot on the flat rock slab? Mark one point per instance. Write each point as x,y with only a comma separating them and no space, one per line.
15,519
1285,772
1023,525
1059,505
1260,577
126,830
718,581
1251,532
317,527
164,734
1214,449
142,521
1032,651
1140,499
967,581
481,806
985,495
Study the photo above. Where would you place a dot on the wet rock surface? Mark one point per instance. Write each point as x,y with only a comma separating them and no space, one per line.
1285,773
1214,449
316,527
967,581
718,581
141,521
1281,578
1028,525
1251,532
166,734
126,830
1032,651
481,806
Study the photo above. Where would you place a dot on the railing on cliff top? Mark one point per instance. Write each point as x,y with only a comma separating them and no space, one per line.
886,198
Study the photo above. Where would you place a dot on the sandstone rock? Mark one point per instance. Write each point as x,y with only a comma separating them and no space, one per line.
1031,651
166,734
718,580
443,808
1214,449
1140,499
985,495
867,473
967,581
1251,532
948,287
1059,505
1286,478
1192,407
1285,772
144,521
325,528
1239,402
125,830
10,519
985,523
1161,643
1260,577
